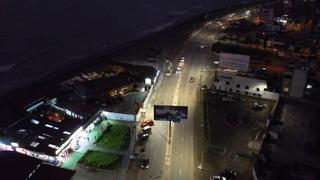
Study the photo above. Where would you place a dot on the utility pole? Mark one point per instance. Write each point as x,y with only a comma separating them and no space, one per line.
169,131
164,59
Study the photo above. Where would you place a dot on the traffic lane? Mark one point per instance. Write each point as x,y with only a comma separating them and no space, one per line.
182,154
157,142
183,134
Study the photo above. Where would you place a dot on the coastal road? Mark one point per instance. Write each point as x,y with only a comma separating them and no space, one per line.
178,158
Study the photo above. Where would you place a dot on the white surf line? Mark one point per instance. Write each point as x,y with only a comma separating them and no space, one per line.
169,143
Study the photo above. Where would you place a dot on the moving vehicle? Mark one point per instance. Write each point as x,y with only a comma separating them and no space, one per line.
182,60
143,163
191,79
147,122
178,71
168,72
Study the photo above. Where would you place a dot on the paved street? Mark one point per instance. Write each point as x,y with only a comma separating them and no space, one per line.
175,159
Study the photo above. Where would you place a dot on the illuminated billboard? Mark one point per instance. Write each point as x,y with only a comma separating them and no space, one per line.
234,61
170,113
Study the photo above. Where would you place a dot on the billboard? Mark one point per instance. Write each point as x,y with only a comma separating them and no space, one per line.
234,61
170,113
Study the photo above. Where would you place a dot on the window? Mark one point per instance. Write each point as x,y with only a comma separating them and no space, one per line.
66,132
258,89
238,85
41,137
247,87
53,146
227,82
49,126
34,144
237,91
246,93
230,89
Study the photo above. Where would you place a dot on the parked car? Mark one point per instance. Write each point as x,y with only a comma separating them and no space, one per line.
143,136
191,79
229,174
133,156
147,122
259,106
146,129
206,68
228,99
217,178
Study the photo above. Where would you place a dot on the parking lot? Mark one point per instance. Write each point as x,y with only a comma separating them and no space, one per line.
231,127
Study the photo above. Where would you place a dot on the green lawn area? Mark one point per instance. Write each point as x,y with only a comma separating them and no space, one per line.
99,159
115,138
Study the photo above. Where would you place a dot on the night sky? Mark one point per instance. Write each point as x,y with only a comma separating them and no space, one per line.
36,36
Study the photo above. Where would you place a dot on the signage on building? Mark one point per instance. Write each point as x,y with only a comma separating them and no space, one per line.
170,113
234,61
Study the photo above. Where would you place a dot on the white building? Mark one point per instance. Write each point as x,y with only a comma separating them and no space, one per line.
231,82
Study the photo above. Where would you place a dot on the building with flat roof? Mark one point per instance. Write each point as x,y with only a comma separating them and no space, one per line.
50,125
44,130
230,81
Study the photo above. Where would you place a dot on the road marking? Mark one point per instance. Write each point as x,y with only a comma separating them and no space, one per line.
180,172
169,147
169,143
181,155
182,139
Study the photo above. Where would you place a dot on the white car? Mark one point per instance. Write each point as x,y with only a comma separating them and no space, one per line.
205,69
217,178
228,99
260,105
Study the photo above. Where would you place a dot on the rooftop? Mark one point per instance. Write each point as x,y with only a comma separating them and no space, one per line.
45,128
